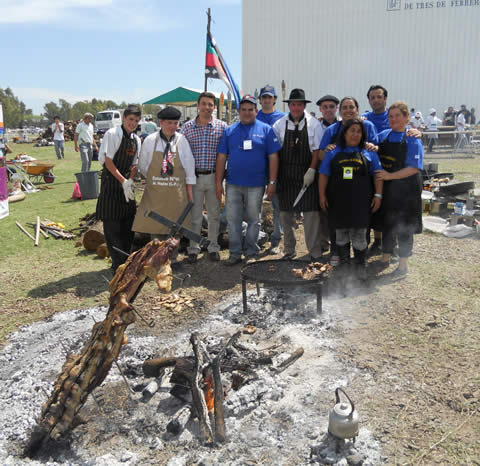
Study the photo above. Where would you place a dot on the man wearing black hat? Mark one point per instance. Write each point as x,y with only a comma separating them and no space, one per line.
268,115
300,136
251,148
116,206
167,162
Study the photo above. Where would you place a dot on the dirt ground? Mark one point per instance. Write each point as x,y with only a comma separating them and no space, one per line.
417,337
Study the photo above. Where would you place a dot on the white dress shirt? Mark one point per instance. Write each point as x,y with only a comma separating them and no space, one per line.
111,142
314,129
179,144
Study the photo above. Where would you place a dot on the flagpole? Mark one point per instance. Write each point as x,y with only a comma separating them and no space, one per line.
208,32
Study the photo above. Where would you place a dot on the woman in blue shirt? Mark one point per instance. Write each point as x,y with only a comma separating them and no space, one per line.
401,212
346,191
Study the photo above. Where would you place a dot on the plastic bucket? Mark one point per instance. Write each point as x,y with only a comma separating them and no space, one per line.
88,182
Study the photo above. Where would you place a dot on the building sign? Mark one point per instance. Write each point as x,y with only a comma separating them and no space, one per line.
397,5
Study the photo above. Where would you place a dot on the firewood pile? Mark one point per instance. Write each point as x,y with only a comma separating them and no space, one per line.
83,372
69,131
205,379
173,301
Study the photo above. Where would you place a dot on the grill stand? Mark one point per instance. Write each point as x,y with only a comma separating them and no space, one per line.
318,291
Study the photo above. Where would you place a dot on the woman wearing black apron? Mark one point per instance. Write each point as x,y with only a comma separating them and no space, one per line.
347,191
401,213
348,109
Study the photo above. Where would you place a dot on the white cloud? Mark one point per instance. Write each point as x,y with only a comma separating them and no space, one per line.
86,14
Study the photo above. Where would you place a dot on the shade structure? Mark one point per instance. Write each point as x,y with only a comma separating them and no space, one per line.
182,96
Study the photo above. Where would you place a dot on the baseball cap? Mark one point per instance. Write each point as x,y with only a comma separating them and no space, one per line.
268,90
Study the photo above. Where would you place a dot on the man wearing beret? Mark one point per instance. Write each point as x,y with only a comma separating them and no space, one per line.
167,162
116,203
300,135
328,106
251,148
203,134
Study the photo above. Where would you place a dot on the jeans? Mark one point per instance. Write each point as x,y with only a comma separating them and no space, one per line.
59,149
86,154
244,202
276,236
205,189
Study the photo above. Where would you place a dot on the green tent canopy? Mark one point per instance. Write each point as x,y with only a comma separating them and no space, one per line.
182,96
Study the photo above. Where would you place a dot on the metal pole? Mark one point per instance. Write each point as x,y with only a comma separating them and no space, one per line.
208,32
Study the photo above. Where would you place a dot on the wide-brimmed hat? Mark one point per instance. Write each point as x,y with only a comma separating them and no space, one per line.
297,95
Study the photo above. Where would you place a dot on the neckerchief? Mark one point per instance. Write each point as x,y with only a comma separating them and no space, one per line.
168,162
296,132
131,143
326,123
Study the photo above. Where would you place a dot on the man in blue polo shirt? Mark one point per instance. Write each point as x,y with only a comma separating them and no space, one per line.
251,148
268,115
377,98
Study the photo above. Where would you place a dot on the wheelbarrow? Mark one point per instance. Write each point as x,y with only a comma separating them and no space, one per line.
38,171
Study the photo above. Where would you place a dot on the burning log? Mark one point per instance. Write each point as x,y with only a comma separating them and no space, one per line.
82,373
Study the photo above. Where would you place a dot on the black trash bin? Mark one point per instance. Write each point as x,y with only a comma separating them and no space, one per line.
88,183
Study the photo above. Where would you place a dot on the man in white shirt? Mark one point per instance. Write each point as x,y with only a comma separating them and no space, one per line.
84,141
59,137
116,205
300,135
461,126
431,123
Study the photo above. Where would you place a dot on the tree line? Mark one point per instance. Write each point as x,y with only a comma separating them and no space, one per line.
16,114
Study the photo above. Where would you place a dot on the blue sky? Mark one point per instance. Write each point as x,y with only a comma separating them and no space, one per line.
112,49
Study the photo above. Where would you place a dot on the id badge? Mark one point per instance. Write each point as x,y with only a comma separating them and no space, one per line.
247,144
348,173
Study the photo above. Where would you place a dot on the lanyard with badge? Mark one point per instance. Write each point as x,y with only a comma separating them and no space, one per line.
247,143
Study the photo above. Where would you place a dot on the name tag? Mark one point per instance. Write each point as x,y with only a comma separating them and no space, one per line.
247,144
347,173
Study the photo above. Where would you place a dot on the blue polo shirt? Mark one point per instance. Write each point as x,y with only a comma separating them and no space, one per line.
414,156
332,130
248,167
269,118
380,120
372,157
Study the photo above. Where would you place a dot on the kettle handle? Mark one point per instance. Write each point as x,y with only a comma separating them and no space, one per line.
337,398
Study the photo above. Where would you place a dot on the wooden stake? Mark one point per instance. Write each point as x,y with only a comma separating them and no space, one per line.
25,231
37,231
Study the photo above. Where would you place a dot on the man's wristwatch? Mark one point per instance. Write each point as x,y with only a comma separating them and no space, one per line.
273,182
378,195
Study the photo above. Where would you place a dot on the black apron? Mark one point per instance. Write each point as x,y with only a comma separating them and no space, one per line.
401,209
349,191
295,159
111,204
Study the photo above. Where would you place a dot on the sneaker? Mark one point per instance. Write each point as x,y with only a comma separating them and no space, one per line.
289,256
251,258
274,250
335,260
214,256
399,273
232,260
192,259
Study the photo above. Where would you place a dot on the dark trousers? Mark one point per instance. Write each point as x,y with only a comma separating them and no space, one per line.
405,242
333,240
118,233
431,143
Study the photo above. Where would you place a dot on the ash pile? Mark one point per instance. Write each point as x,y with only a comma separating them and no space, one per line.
278,371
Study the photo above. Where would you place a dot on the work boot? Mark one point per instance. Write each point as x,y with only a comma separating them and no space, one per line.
360,264
375,249
344,253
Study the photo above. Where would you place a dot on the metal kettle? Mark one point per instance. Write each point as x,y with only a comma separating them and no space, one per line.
343,421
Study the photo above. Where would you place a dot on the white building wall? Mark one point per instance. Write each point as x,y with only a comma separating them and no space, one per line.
423,52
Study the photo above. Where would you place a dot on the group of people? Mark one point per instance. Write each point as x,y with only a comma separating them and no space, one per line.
345,176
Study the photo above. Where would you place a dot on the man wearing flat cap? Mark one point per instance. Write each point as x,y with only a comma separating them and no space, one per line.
167,162
116,205
251,149
300,135
84,141
328,106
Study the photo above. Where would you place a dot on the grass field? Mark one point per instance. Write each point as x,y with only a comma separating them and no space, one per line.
57,275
